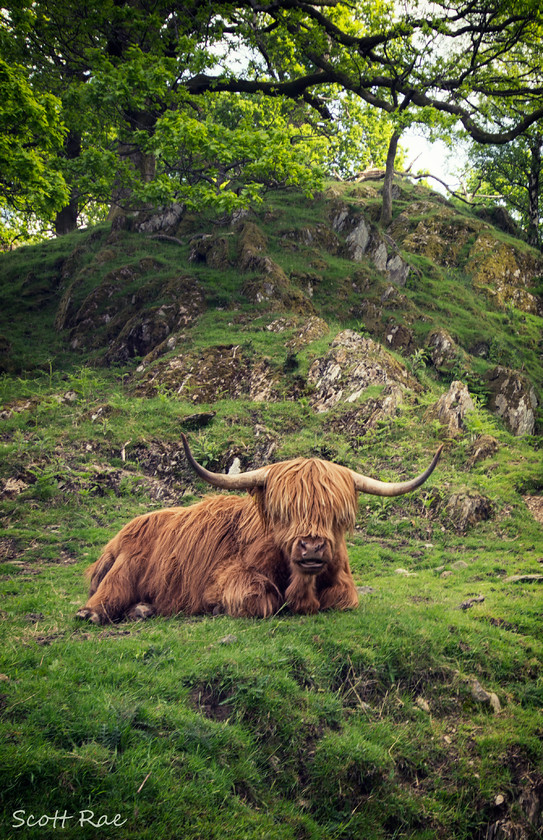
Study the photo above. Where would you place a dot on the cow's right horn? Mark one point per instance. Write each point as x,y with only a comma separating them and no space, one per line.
364,484
243,481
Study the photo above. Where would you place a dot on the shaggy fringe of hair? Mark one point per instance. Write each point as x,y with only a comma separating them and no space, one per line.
308,497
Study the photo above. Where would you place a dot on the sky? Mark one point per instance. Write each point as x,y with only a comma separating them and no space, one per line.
435,158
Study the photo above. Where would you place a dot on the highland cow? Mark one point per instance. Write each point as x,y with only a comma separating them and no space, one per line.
281,545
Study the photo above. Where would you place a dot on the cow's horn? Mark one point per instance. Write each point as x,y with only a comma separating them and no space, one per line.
384,488
243,481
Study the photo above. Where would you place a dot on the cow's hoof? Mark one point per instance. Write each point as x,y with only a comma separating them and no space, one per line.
140,612
86,614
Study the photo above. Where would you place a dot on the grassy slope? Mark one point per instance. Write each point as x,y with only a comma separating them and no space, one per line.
339,725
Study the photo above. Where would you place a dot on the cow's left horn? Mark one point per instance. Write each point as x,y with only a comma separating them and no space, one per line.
243,481
385,488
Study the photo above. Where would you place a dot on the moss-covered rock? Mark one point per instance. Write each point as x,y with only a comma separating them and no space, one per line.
505,273
305,330
252,243
126,322
465,510
442,349
483,447
212,250
452,408
358,421
513,398
440,235
218,372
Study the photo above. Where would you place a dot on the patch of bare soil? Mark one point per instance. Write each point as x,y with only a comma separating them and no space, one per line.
535,506
211,704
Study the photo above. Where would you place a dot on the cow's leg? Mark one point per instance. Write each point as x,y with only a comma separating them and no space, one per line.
340,596
301,594
338,590
141,611
113,596
99,570
243,593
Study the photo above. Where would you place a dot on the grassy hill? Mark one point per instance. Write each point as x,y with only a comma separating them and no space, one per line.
299,328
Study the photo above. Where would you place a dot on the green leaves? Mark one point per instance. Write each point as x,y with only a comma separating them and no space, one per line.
31,130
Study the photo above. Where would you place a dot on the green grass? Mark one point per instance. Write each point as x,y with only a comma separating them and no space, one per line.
339,725
293,727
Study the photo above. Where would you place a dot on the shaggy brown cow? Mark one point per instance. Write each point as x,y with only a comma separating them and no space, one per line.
241,555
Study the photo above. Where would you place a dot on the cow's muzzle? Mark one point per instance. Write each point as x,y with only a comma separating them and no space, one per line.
311,554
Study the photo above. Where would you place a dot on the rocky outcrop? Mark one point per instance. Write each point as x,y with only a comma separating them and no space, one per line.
505,273
161,219
399,337
352,364
451,408
218,372
482,448
513,398
467,509
118,314
437,233
211,250
358,421
305,332
363,240
268,283
442,349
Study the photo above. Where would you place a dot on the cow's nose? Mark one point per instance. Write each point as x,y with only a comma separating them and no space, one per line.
311,547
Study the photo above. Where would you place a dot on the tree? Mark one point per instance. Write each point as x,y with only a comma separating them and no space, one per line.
31,131
513,171
145,85
511,175
436,69
138,131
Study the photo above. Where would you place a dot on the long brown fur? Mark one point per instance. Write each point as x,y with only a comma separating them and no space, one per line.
233,554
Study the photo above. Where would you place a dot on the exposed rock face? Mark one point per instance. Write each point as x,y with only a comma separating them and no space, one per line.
438,236
363,240
360,420
212,374
141,334
132,327
513,398
352,364
467,509
151,221
483,447
442,349
309,330
505,273
452,407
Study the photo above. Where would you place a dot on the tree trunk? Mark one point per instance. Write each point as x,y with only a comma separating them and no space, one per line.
534,185
142,163
66,219
386,208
